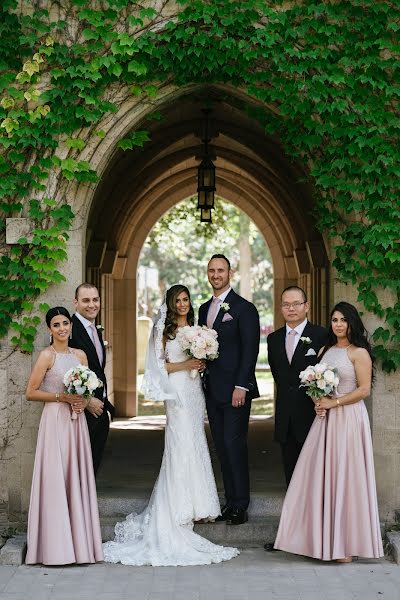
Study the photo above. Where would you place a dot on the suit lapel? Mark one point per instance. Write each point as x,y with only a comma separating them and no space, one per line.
86,340
300,346
230,299
282,344
204,312
99,333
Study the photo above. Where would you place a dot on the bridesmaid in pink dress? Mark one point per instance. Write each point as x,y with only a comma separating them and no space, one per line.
63,521
331,511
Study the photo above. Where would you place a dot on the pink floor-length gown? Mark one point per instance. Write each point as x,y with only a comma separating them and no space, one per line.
63,521
330,509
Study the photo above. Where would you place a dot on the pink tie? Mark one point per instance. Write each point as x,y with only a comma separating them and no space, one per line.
290,339
212,312
96,342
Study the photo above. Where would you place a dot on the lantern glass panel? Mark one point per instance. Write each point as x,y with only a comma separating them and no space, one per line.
205,216
205,198
206,174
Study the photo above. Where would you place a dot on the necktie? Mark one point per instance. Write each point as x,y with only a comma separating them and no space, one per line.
290,339
212,312
96,342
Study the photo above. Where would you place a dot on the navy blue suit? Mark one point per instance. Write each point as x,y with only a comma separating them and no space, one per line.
239,340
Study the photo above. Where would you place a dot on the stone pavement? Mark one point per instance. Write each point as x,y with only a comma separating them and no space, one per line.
254,575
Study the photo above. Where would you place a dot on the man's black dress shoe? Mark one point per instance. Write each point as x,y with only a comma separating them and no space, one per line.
238,516
225,514
269,547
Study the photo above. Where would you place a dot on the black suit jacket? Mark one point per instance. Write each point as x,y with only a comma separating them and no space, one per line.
292,403
81,339
239,341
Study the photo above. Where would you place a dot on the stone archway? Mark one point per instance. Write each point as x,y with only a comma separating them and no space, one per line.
139,186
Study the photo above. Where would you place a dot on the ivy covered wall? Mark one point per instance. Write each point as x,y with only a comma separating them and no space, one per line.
326,75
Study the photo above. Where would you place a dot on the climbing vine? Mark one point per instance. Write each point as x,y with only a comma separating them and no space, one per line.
325,73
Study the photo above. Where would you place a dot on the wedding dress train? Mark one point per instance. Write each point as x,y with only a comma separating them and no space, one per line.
185,491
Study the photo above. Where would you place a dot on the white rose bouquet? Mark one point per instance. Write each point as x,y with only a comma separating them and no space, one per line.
198,342
320,380
82,381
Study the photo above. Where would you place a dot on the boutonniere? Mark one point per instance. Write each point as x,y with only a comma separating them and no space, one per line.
100,328
225,306
306,340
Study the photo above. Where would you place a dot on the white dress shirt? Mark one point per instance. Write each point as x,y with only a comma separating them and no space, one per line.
222,297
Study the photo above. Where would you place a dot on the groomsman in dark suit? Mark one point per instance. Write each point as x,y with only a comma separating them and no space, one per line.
230,384
87,337
290,350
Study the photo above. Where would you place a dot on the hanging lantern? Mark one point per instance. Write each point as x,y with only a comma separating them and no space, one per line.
206,178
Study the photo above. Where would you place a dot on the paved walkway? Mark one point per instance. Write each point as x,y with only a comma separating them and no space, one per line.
254,575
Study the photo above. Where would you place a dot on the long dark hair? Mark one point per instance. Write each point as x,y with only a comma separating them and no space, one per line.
356,332
171,320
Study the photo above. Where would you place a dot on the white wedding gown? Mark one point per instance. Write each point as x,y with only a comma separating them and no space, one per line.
185,491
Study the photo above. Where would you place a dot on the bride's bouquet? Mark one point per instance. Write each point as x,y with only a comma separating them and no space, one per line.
82,381
198,342
320,380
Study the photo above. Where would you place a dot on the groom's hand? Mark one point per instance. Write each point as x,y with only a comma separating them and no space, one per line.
95,407
238,397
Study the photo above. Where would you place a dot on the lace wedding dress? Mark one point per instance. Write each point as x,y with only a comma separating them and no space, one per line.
185,491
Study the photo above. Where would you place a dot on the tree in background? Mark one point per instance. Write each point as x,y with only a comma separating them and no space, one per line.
179,247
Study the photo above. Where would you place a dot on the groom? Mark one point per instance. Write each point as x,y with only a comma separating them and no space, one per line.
230,384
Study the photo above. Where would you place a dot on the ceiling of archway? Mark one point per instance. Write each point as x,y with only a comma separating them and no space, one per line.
251,171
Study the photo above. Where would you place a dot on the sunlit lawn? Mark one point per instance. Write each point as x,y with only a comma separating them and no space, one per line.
260,406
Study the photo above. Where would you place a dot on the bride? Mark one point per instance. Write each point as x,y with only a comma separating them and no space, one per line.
185,491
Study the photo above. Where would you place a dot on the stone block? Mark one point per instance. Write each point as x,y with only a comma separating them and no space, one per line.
393,538
317,254
17,228
14,550
19,369
302,261
291,268
392,440
95,253
109,261
383,407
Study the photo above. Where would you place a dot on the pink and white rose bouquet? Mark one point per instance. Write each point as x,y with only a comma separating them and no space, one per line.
198,342
320,380
82,381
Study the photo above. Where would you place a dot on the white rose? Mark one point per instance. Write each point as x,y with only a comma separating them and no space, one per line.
320,367
329,376
321,384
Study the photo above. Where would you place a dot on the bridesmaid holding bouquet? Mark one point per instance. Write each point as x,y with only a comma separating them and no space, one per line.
63,520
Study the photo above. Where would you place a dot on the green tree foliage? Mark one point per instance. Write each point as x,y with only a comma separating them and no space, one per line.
179,246
326,75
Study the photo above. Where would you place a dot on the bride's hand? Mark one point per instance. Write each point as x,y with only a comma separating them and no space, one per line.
195,364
